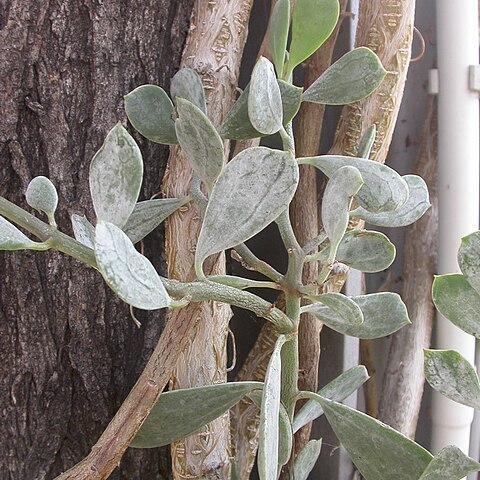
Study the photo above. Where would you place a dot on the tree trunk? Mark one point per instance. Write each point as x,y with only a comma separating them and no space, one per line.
214,48
404,379
69,351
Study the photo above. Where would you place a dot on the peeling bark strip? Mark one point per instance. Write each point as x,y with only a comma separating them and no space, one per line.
69,351
404,379
214,49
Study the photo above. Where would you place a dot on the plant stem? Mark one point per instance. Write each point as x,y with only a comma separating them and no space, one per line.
293,280
258,265
56,239
196,291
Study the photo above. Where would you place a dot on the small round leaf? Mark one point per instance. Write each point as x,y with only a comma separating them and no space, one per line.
264,99
42,195
187,84
353,77
150,111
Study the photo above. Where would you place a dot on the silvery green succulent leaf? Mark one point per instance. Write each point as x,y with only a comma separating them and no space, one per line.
353,77
187,84
416,205
383,189
200,142
285,437
180,412
469,259
364,250
264,99
278,33
11,238
285,433
453,376
148,215
366,142
116,173
42,195
237,125
378,451
383,314
291,100
83,231
306,459
128,273
345,308
269,412
312,23
458,301
251,192
338,389
450,464
150,111
343,184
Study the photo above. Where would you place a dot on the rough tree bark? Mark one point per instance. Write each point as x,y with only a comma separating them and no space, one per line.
69,352
214,48
404,379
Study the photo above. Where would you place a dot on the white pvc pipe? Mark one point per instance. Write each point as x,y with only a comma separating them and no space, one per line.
458,142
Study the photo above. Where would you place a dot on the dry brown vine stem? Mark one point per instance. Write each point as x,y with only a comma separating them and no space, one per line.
214,49
404,379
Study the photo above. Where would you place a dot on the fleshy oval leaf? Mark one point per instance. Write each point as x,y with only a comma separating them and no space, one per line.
83,231
458,301
338,389
383,189
277,34
148,215
378,451
285,437
251,192
352,77
312,23
383,313
469,259
42,195
264,99
306,459
345,308
187,84
450,464
364,250
237,125
116,173
417,204
285,433
453,376
150,111
343,184
11,238
128,273
269,412
168,420
200,142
